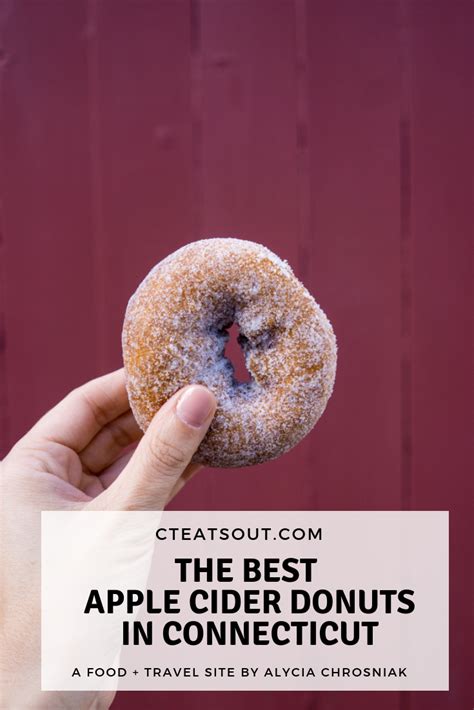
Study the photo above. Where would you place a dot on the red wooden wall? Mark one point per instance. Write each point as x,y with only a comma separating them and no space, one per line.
338,133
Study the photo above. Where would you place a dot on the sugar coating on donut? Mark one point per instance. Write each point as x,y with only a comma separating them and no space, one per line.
175,333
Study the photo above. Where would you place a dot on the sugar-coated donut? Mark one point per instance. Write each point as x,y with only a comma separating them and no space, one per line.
175,333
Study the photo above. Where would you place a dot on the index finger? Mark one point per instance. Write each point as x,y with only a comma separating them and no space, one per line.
76,420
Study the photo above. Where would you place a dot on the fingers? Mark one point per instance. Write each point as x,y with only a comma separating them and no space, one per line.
76,420
110,442
148,480
111,474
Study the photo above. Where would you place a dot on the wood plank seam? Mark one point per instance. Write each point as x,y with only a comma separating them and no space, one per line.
96,191
406,275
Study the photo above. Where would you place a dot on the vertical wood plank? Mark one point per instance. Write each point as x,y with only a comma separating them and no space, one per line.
354,85
354,146
442,122
248,121
139,66
49,293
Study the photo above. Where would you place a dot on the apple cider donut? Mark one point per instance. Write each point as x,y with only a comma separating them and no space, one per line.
175,333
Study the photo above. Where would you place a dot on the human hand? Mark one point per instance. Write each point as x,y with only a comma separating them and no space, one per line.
74,459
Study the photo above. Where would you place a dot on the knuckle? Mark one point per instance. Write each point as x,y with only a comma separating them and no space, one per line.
86,394
121,437
167,457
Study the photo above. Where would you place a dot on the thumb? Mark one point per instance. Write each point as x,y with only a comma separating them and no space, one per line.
164,451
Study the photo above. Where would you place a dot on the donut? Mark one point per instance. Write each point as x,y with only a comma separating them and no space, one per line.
175,334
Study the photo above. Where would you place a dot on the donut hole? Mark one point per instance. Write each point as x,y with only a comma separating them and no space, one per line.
235,353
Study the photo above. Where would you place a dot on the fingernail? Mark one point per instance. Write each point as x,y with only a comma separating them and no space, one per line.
195,405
